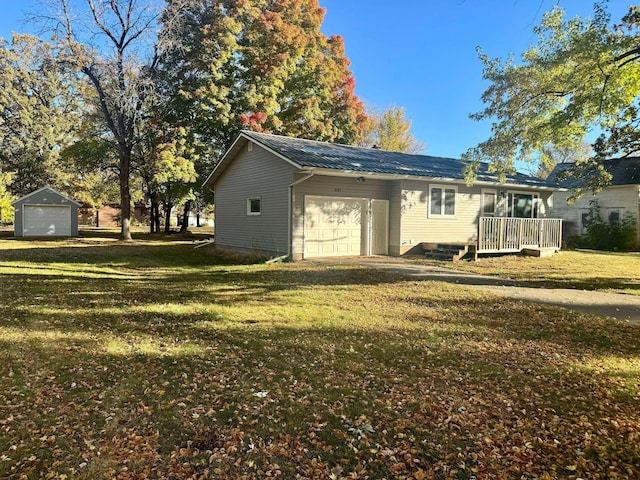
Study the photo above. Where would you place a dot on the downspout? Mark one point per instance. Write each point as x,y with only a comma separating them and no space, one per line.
638,222
290,219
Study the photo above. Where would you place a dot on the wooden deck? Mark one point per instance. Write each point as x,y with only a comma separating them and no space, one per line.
504,234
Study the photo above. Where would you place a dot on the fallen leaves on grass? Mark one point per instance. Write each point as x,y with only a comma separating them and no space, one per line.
341,373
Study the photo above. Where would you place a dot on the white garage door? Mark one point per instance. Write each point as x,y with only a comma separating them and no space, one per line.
333,226
46,220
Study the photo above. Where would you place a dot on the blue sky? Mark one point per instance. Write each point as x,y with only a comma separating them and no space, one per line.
420,54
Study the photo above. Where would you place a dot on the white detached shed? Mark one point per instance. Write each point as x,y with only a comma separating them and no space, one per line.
45,213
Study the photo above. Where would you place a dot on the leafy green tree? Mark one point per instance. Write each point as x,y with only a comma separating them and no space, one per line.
258,64
92,163
116,49
579,79
40,104
554,155
6,209
391,131
166,168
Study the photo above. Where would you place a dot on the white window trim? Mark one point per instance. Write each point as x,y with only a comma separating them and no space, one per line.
249,212
493,192
442,200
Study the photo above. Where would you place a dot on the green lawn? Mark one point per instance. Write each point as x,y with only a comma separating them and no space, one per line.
153,359
585,270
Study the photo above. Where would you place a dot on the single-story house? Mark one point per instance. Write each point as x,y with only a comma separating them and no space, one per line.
621,198
45,213
284,196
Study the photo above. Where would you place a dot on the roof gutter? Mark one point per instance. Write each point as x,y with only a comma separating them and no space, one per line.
290,208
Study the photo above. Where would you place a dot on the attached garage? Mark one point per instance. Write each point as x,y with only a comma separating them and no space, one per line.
45,213
336,226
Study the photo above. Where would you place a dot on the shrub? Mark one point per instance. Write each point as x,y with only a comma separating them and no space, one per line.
614,234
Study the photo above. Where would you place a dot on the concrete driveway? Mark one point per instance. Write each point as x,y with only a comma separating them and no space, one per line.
615,305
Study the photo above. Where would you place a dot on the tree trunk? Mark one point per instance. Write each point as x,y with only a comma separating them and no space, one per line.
168,206
153,212
156,217
125,194
185,217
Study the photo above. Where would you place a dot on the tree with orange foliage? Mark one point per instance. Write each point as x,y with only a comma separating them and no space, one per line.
262,65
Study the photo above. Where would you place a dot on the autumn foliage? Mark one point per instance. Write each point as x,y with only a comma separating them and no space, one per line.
262,65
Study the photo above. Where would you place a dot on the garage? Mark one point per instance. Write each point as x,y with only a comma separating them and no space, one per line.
46,220
45,213
337,226
333,226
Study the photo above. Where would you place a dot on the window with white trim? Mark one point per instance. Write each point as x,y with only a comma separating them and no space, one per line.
442,201
254,206
489,202
523,205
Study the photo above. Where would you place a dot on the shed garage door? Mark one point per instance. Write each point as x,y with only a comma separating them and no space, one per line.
46,220
333,226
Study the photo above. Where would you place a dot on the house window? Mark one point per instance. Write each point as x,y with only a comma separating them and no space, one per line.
489,201
523,205
442,201
614,217
254,206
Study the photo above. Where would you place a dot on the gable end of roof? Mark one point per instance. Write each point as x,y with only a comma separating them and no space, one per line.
26,197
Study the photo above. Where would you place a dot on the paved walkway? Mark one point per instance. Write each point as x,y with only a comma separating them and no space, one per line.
616,305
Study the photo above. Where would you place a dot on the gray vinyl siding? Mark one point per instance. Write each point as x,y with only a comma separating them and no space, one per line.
328,186
43,197
623,198
253,174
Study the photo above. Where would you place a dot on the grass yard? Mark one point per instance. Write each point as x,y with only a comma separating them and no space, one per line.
585,270
153,359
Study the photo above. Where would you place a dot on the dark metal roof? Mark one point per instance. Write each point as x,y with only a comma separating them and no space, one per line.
313,154
624,171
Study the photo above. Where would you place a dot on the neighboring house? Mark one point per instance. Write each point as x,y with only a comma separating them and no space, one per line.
621,198
45,213
109,215
278,195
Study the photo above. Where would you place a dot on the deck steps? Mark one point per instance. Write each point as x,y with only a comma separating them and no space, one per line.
446,252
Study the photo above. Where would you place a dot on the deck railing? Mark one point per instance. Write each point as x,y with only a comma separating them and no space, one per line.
504,234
